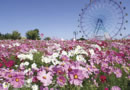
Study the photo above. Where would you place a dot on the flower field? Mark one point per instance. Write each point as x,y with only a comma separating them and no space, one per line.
64,65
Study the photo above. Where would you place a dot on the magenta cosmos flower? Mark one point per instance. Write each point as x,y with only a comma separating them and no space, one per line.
61,80
17,80
10,63
115,88
44,77
76,77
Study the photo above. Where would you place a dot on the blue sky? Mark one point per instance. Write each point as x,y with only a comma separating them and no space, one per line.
54,18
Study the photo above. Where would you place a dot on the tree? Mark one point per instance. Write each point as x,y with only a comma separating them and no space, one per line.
15,35
47,38
7,36
33,34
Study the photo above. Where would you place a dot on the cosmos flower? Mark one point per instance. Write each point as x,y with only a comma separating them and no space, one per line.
17,80
61,80
9,63
115,88
45,77
103,78
76,77
118,73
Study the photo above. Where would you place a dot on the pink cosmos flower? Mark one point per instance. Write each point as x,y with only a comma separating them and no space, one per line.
61,80
17,80
106,88
115,88
76,77
58,70
118,73
64,58
44,77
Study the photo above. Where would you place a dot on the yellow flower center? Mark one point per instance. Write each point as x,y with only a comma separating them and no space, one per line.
75,76
61,80
88,69
9,76
17,80
59,71
44,77
62,64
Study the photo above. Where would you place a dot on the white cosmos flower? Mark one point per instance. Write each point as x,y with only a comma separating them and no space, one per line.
46,59
2,45
16,44
55,55
55,61
10,46
91,52
32,51
25,56
34,87
28,82
26,63
34,66
5,85
80,58
96,46
64,53
71,53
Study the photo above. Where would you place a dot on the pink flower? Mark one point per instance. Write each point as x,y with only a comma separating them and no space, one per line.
115,88
34,79
106,88
1,64
44,77
61,80
10,63
118,73
76,77
17,80
64,58
103,78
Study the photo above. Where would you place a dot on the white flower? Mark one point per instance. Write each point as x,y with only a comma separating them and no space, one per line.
2,45
16,44
80,58
96,46
28,82
64,53
10,46
71,53
25,56
6,85
45,59
26,63
55,55
34,66
27,70
91,52
32,51
30,57
21,65
55,61
35,87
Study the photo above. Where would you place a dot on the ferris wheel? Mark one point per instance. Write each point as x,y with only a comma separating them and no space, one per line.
102,19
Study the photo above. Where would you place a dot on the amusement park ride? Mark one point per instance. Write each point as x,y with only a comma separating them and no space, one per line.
101,19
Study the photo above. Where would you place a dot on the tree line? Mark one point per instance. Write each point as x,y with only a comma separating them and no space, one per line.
31,34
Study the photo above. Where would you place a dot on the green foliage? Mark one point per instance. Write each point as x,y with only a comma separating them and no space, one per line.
47,38
16,35
33,34
82,38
